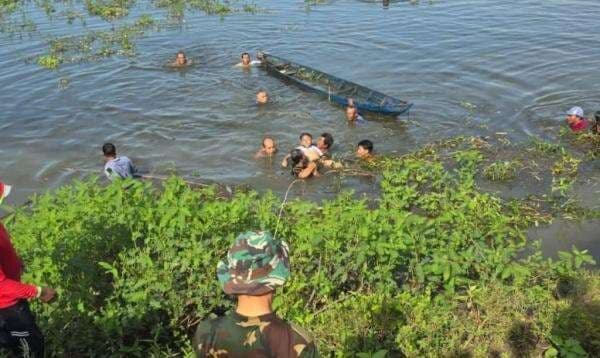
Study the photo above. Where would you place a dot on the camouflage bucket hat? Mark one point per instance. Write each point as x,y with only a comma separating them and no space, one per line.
256,264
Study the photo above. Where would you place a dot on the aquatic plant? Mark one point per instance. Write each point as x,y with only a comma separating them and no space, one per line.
50,62
108,9
501,171
96,44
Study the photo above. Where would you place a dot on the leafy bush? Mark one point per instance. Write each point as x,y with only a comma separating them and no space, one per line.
433,267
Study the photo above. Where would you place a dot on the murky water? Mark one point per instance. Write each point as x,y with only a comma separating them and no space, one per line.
522,64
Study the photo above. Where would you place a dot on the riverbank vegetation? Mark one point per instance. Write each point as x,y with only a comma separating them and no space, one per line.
432,266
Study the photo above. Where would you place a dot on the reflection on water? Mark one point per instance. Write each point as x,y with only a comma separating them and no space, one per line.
520,67
561,235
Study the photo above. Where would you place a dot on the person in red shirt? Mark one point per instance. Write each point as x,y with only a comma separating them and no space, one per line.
576,121
18,330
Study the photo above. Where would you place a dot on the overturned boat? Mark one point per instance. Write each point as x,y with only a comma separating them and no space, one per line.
333,88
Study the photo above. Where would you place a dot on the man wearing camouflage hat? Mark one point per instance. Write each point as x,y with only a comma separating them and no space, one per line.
255,266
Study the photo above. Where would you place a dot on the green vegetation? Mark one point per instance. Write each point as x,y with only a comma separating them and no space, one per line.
108,9
96,45
431,267
118,39
501,171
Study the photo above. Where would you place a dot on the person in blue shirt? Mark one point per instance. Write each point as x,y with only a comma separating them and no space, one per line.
116,167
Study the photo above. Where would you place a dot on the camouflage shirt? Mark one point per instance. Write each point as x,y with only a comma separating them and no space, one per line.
235,335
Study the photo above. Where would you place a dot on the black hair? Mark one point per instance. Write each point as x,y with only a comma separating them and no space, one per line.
109,150
297,161
305,133
366,144
328,139
180,52
245,53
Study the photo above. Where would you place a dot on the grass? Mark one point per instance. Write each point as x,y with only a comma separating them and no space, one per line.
501,171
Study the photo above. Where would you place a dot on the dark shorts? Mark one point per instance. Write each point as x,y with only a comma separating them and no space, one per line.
18,331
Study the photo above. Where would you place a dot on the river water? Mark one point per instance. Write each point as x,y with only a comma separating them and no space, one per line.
470,67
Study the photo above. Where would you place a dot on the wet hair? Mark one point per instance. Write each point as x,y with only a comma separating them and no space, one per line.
366,144
297,161
305,134
328,139
245,53
109,150
180,52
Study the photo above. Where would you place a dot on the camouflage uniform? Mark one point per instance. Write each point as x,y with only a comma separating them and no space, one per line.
255,265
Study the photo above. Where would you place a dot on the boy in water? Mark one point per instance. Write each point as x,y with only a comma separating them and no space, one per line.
116,167
268,148
307,147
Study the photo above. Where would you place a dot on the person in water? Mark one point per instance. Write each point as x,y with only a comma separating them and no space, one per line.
181,60
352,113
256,264
311,151
262,97
116,167
247,61
364,150
324,144
576,121
268,148
302,167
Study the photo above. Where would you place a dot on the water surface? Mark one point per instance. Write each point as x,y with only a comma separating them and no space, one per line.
521,64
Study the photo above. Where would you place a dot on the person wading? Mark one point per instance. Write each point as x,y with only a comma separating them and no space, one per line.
116,167
255,266
18,331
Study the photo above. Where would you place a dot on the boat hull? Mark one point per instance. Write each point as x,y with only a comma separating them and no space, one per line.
329,87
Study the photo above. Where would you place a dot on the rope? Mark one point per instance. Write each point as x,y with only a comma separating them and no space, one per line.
282,205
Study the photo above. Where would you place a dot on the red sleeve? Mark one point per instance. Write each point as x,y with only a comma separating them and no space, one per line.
14,289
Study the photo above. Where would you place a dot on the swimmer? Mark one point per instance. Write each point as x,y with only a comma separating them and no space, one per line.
262,97
576,121
324,143
352,113
268,148
301,166
116,167
364,150
181,60
247,61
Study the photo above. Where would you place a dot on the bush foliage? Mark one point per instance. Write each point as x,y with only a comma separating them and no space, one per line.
433,267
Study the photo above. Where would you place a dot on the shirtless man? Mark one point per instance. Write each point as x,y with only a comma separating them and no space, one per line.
247,61
268,148
262,97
